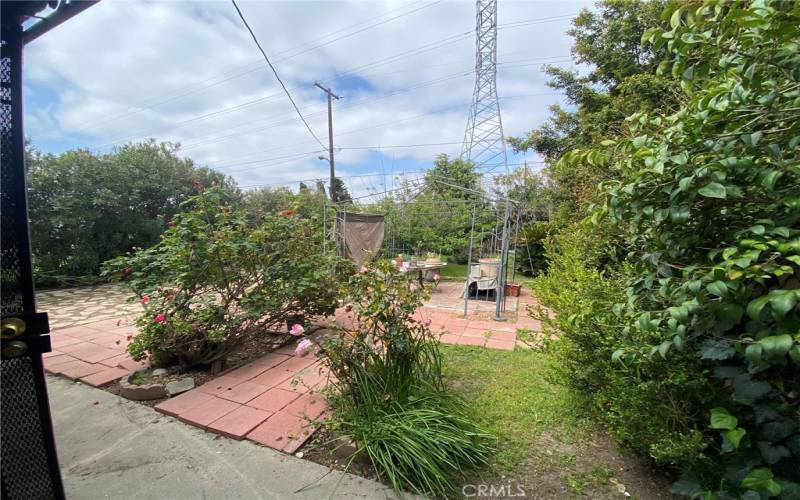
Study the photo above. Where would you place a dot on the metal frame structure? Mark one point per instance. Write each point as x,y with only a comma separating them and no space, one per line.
27,450
484,142
491,242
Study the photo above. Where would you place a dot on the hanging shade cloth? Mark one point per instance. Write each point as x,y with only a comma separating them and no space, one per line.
359,236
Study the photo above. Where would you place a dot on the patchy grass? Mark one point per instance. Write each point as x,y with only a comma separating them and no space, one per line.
547,443
513,398
453,270
142,377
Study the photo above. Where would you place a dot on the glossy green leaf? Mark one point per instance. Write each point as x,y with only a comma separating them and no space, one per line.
776,346
722,419
713,190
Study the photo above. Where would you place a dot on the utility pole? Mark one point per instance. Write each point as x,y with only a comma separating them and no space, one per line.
331,96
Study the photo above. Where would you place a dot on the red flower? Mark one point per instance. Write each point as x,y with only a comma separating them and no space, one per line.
144,300
160,318
286,213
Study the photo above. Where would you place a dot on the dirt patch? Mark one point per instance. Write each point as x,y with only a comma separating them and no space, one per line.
594,468
250,351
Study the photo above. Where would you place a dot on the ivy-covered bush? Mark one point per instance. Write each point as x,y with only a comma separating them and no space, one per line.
217,278
531,259
387,391
708,206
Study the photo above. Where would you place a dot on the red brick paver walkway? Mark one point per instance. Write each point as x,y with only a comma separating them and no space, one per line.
272,401
93,353
445,311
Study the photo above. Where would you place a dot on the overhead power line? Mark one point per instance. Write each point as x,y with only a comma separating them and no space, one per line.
275,72
292,52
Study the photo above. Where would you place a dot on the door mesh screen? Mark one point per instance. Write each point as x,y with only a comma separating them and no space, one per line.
25,464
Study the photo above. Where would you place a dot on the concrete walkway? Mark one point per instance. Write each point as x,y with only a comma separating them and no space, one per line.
111,448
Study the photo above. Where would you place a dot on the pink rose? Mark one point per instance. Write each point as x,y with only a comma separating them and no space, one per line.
413,286
160,318
436,277
144,300
303,347
363,269
296,329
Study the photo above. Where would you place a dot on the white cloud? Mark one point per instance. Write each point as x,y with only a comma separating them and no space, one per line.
187,71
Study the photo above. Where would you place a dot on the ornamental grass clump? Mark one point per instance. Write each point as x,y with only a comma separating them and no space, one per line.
388,394
217,278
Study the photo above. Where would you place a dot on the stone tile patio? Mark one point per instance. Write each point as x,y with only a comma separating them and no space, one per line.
273,400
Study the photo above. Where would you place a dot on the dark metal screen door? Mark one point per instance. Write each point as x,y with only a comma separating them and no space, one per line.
27,448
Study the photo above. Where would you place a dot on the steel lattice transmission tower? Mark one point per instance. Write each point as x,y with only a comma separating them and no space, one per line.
484,143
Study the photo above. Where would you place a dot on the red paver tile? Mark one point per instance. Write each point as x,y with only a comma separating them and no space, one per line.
272,359
52,354
208,411
110,324
58,340
475,332
100,353
183,402
239,422
104,377
495,326
507,345
297,363
454,328
247,371
126,330
79,349
243,392
449,339
126,363
218,385
77,369
300,384
479,341
53,361
282,431
272,377
503,336
274,399
77,332
308,406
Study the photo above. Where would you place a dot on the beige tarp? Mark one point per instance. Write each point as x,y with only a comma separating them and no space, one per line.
359,236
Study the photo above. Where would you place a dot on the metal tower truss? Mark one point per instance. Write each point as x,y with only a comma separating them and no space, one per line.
484,142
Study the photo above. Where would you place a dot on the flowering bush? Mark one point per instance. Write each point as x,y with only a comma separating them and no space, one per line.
216,278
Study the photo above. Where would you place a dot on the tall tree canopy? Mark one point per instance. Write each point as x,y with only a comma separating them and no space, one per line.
86,208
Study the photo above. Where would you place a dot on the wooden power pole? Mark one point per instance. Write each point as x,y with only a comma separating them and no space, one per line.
331,96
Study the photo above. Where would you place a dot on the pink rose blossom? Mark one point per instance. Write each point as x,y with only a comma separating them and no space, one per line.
303,347
413,286
436,277
296,329
160,318
144,300
363,269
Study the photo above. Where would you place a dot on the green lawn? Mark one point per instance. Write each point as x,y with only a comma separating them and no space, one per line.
513,398
546,441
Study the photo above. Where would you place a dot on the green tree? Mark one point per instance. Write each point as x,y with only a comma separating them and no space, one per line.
339,192
622,81
87,208
707,205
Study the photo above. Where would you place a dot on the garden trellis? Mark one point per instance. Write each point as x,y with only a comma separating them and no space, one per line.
429,217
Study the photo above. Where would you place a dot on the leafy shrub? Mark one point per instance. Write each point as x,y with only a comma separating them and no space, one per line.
389,393
644,408
87,208
215,278
531,247
708,206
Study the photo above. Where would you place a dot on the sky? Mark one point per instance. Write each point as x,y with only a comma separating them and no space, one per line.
189,72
